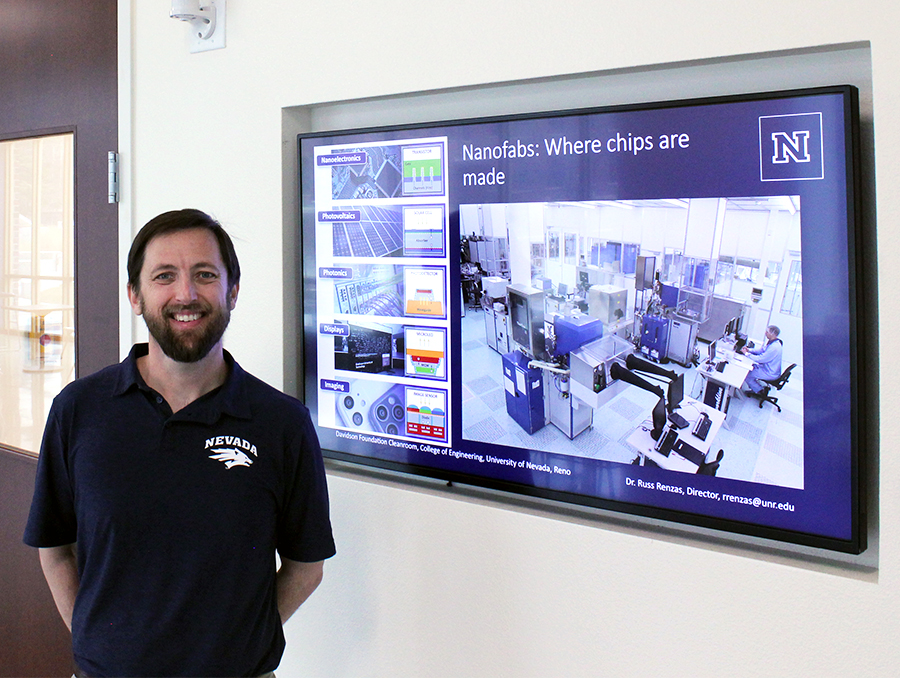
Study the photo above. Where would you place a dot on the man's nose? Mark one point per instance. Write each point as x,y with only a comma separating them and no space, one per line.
185,290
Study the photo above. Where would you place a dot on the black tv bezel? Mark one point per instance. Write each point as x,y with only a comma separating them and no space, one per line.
856,238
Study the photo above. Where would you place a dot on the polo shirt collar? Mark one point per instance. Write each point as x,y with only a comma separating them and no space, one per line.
229,399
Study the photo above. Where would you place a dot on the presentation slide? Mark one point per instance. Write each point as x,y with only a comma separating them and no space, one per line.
612,307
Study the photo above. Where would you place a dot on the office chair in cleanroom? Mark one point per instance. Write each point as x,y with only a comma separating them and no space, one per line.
713,466
777,384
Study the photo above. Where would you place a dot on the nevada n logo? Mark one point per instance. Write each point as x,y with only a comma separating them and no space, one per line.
793,148
231,450
790,147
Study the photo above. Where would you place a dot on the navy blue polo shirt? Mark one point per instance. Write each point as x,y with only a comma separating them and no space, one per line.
177,518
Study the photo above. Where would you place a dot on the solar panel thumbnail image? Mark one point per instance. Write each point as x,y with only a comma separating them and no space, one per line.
358,243
388,224
376,234
375,242
341,241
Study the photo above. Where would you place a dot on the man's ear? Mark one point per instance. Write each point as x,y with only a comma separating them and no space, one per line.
232,296
134,298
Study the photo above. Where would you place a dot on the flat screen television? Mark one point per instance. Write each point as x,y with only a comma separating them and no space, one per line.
395,219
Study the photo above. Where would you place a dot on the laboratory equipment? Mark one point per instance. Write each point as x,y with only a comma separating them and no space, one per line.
655,337
496,327
616,371
570,415
496,319
668,295
682,338
490,328
491,254
587,276
721,310
590,366
635,364
495,287
526,311
524,388
543,283
574,332
645,269
607,302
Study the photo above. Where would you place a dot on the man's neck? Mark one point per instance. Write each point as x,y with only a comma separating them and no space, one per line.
182,383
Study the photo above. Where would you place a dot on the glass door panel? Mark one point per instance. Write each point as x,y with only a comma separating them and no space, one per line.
37,285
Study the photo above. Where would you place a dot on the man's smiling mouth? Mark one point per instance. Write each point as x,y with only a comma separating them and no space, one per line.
186,317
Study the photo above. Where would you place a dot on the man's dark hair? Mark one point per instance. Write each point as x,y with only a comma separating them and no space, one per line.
181,220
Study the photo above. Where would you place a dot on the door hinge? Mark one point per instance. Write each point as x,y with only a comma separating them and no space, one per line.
113,182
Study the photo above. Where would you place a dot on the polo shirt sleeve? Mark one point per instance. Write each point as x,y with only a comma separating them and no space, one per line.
304,527
51,521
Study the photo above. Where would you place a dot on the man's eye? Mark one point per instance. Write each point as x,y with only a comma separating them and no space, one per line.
164,277
207,275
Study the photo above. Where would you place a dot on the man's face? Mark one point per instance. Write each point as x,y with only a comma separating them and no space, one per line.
184,294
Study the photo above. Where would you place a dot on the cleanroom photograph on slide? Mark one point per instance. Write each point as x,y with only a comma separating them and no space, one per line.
607,287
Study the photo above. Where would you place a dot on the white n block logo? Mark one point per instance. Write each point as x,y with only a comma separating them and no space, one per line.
793,147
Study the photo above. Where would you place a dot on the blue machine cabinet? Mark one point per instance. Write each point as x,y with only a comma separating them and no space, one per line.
655,337
524,391
573,333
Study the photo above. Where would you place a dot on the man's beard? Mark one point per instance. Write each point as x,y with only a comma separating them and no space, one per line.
187,346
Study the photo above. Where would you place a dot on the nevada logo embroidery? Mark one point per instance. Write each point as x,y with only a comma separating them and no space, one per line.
235,454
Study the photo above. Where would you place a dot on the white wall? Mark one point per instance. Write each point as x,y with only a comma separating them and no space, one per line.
426,584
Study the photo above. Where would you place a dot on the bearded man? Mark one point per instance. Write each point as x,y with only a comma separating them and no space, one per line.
167,483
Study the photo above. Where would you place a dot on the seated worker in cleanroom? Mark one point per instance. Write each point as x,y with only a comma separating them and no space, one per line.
767,359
